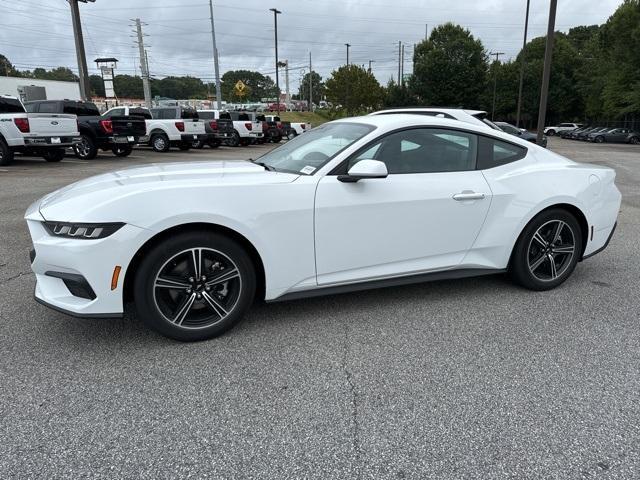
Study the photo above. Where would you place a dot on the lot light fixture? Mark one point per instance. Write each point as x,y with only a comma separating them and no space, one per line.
276,12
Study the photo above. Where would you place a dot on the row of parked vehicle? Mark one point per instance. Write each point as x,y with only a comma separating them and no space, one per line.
47,127
596,134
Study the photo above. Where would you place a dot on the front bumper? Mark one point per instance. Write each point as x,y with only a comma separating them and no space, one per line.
74,276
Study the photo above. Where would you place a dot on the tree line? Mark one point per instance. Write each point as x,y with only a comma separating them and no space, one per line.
595,76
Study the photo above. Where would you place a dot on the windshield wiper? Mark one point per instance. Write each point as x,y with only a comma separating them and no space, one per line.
263,165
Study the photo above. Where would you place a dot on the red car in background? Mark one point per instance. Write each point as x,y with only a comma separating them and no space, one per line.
277,107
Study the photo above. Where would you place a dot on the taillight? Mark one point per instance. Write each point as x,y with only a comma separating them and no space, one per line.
180,126
22,124
248,126
107,126
303,126
214,125
279,125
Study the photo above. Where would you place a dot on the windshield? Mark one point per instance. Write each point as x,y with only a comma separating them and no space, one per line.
308,152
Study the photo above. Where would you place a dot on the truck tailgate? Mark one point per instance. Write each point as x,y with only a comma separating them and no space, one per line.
129,126
52,124
195,127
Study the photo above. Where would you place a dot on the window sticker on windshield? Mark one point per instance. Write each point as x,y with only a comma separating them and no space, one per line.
308,170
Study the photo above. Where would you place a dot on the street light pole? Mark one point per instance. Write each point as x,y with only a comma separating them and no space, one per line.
347,45
215,59
495,81
523,62
276,12
370,62
546,73
83,75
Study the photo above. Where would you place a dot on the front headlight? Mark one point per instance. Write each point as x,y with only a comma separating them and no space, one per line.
86,231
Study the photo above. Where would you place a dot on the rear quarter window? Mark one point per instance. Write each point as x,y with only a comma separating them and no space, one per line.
11,105
494,153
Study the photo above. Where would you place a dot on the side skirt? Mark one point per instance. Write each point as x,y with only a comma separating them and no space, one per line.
388,282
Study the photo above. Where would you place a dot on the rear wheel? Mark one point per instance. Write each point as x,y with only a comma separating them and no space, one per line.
122,150
86,149
551,133
600,139
214,143
635,140
234,141
160,142
276,139
547,251
6,154
198,145
194,286
54,155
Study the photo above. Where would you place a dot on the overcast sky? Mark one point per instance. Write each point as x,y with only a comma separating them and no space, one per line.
38,33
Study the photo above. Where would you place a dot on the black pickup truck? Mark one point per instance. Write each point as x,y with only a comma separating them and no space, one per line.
118,134
272,128
218,125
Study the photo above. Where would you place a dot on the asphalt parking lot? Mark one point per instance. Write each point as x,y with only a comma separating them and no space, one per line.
465,379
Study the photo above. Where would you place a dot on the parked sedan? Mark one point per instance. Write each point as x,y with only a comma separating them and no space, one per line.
353,204
614,135
524,134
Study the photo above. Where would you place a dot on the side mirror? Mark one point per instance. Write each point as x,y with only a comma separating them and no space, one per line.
365,169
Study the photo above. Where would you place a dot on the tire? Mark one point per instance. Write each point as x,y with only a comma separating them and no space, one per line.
599,139
6,154
634,141
531,266
86,149
160,142
54,155
227,302
551,133
277,139
214,143
185,147
122,150
198,145
234,141
245,142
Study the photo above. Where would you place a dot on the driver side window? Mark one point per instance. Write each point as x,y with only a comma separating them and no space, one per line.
423,150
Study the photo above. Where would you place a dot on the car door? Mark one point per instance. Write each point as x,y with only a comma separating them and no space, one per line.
618,135
423,216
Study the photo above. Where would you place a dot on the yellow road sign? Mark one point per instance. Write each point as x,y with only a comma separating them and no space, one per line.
240,87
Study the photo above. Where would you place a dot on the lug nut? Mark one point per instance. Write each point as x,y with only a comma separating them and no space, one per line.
191,279
204,279
199,296
207,288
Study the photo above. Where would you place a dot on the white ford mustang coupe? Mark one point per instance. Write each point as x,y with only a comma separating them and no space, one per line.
353,204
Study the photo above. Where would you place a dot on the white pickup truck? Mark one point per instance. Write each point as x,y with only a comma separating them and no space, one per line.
168,126
247,129
44,134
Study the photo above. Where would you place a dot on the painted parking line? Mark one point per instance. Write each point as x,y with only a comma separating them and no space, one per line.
74,161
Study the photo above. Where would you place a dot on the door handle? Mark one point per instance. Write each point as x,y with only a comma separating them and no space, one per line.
467,195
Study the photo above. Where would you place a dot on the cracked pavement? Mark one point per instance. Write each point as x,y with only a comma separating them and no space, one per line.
462,379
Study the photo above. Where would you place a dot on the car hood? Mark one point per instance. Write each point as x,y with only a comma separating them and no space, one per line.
77,200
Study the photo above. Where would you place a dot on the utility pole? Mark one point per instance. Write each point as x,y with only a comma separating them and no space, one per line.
426,31
347,45
215,58
546,72
83,75
370,62
276,12
522,64
144,68
402,68
495,81
286,82
310,85
399,55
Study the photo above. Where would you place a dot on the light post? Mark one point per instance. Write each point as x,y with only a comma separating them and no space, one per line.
347,45
523,62
546,72
83,75
276,12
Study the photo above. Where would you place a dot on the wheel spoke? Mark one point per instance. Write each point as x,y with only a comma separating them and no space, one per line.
196,257
224,276
565,249
174,283
183,309
556,235
538,238
534,266
552,262
215,305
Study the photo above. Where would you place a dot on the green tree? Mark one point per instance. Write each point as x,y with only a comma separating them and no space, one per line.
128,86
6,68
353,87
97,85
398,96
258,86
318,89
450,68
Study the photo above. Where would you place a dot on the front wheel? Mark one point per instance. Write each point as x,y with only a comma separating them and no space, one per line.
54,155
194,286
122,150
547,251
